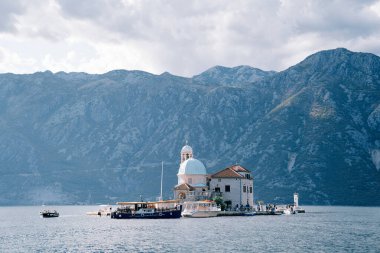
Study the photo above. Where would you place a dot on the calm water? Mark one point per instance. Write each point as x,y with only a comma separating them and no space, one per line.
321,229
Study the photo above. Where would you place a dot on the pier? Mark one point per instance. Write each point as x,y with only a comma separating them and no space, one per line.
231,213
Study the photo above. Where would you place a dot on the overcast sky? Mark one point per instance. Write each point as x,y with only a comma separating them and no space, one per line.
182,37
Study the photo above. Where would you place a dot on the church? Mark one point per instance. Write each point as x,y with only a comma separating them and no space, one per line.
233,184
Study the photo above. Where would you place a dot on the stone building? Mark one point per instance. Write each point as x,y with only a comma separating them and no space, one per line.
233,184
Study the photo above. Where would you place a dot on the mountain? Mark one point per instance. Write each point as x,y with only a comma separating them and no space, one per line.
320,133
81,138
236,76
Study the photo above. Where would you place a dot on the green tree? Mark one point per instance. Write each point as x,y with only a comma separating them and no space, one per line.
219,201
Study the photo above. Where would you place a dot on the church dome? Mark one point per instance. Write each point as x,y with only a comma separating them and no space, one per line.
186,149
192,166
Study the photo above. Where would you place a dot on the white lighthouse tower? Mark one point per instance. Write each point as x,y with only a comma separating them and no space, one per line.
295,196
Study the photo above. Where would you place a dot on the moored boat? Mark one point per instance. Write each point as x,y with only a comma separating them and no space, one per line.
169,209
104,210
299,210
249,213
200,209
49,214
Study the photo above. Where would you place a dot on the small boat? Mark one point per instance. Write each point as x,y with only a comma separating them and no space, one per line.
104,210
200,209
299,210
285,209
49,214
250,213
169,209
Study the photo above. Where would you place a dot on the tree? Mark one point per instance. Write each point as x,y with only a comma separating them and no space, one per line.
219,201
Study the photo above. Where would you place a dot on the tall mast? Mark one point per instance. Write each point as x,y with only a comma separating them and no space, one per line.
162,174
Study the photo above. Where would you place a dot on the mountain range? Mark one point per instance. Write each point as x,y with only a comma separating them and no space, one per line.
78,138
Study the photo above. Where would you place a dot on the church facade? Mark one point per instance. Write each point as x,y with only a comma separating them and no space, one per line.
192,178
233,184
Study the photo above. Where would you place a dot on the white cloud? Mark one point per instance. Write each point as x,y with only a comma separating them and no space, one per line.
12,60
8,10
182,37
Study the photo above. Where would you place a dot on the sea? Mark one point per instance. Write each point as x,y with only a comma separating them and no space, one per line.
320,229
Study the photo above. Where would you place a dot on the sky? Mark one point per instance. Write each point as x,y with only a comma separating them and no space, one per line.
183,37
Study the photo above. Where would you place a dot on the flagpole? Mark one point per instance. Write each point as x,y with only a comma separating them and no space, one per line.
162,174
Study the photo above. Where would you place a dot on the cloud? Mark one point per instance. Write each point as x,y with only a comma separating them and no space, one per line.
12,60
85,8
335,19
184,37
9,9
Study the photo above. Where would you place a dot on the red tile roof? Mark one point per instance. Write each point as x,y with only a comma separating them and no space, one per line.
231,172
239,168
184,186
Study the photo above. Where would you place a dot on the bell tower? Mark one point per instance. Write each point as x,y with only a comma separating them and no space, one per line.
186,152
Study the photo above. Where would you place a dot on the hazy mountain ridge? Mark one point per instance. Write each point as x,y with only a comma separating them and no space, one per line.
81,138
322,122
236,76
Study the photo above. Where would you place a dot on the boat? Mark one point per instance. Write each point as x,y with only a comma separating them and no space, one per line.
161,209
104,210
49,214
200,209
299,210
249,213
285,209
268,212
169,209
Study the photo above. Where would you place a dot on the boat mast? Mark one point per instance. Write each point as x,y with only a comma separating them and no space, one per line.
162,173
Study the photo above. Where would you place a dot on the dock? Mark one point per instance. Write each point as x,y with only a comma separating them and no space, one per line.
231,213
269,212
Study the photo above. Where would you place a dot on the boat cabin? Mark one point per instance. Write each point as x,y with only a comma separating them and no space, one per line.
147,207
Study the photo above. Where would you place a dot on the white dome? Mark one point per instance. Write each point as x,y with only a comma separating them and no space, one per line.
186,149
192,167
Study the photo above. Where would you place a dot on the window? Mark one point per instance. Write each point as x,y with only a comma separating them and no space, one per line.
244,188
227,188
190,180
247,176
217,189
219,180
250,189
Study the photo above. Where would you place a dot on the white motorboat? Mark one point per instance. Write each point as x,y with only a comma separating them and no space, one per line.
104,210
200,209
